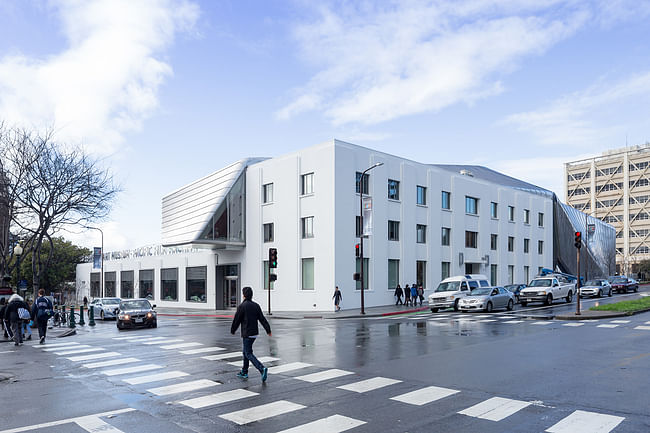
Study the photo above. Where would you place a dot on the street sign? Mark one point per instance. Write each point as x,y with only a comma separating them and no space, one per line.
591,229
367,216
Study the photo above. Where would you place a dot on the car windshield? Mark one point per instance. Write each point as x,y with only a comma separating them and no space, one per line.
135,304
620,280
111,301
450,286
480,292
592,283
540,283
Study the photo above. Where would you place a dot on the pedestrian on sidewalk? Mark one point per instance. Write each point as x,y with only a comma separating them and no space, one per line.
247,315
27,325
407,295
337,299
421,293
414,294
4,324
16,302
398,294
42,310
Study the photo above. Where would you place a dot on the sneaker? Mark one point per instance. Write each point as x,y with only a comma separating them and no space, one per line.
42,340
265,374
29,337
242,375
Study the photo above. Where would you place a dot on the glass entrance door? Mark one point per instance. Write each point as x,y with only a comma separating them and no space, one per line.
230,292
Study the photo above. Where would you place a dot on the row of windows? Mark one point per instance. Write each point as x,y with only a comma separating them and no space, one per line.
579,176
612,218
608,203
579,191
639,216
608,171
612,186
640,250
306,229
639,182
639,165
639,233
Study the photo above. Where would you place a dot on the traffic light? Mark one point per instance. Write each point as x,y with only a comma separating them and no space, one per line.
273,257
273,277
356,251
578,240
356,276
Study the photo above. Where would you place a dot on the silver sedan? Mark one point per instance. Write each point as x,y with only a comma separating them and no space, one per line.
487,299
104,308
597,287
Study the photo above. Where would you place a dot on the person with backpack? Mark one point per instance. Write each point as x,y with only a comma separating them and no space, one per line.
414,294
42,310
421,293
16,312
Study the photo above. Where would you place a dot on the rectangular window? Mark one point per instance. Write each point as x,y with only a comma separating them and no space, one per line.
267,193
95,283
445,236
393,230
540,219
268,232
493,275
146,283
421,273
471,239
493,241
511,213
494,210
540,247
421,234
169,284
421,195
511,243
308,274
364,184
526,245
539,270
366,268
393,274
266,275
308,227
446,200
526,274
393,189
471,205
444,270
526,216
307,184
109,284
511,274
358,228
195,283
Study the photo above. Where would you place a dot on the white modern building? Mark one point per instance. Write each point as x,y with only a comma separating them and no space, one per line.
427,222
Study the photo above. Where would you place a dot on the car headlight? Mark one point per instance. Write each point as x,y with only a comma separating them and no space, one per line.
541,293
451,298
149,315
124,317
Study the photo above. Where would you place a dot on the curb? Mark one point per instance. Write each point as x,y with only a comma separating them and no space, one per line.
600,315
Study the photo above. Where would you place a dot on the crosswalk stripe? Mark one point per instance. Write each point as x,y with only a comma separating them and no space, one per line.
586,422
222,356
74,352
608,326
647,323
183,387
482,316
425,395
542,323
127,370
288,367
324,375
93,356
620,321
165,341
96,424
264,411
573,324
487,320
180,346
52,349
514,321
56,345
155,377
262,359
130,337
142,338
369,384
331,424
219,398
495,408
202,350
642,328
118,361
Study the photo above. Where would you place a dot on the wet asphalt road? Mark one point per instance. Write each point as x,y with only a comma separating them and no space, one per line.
525,373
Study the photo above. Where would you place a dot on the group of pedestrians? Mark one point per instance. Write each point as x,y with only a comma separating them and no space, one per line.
18,316
411,295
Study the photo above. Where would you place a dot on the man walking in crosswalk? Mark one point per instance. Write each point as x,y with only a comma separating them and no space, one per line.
247,315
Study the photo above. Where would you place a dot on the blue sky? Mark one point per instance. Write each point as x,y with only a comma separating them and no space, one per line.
166,91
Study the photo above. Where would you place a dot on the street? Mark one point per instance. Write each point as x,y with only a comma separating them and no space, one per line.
442,372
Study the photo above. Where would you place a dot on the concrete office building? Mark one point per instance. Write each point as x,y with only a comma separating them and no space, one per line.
428,222
615,188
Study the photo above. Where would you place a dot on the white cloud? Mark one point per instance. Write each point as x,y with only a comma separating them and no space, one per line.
105,82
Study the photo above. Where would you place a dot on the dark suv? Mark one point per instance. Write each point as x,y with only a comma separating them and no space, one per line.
136,312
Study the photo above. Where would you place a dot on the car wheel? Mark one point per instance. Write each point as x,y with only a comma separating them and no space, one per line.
524,303
610,293
456,305
549,299
101,315
119,327
511,305
488,307
636,289
434,310
569,297
600,293
155,324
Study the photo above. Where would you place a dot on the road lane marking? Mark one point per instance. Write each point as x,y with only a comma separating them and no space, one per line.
288,367
53,345
183,387
155,377
541,323
176,340
331,424
573,324
323,375
180,346
425,395
202,350
486,320
74,352
643,328
262,359
130,337
264,411
119,361
495,408
219,398
94,356
222,356
620,321
585,422
152,339
52,349
93,424
66,421
369,384
514,321
607,326
127,370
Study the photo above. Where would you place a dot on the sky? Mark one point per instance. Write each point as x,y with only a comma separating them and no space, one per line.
163,92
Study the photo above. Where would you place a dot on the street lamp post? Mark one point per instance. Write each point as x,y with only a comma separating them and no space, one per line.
363,311
101,275
18,251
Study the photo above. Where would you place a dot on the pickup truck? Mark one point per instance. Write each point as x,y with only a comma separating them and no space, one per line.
546,290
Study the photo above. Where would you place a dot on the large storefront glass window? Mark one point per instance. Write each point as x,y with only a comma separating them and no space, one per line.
169,284
95,281
126,284
109,284
196,283
146,284
227,223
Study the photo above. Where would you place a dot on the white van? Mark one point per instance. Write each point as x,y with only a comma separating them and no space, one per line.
451,289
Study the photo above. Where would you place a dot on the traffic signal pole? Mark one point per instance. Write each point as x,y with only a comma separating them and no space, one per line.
578,245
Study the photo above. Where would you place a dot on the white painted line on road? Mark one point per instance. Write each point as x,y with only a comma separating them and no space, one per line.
7,351
74,352
180,346
258,413
95,424
130,337
323,375
331,424
542,323
425,395
369,384
53,345
437,323
155,377
51,349
183,387
222,356
585,422
495,408
201,350
66,421
514,321
288,367
261,359
573,324
141,339
482,316
620,321
148,343
607,326
219,398
136,369
150,339
118,361
642,328
486,321
94,356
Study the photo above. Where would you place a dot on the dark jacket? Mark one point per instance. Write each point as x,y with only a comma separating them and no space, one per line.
247,315
42,309
11,313
399,292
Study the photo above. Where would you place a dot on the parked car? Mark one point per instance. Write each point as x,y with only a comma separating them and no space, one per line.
515,288
596,287
486,299
136,312
625,284
104,308
452,289
547,289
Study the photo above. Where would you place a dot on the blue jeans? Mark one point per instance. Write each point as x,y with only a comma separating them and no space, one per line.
248,355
